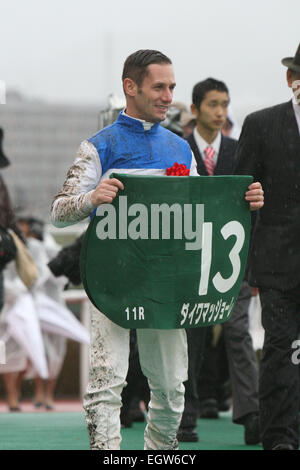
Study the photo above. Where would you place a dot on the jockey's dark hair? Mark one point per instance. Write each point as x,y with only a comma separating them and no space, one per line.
135,66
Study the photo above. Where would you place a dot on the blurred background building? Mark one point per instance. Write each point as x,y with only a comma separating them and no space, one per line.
41,141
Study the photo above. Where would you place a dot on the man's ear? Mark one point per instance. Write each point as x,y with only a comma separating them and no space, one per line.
194,110
289,78
130,87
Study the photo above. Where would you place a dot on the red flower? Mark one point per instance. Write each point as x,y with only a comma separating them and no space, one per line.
178,170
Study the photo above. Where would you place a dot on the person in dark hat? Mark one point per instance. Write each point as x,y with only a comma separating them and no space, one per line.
269,149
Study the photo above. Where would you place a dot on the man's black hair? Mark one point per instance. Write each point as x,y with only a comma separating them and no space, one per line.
203,87
135,66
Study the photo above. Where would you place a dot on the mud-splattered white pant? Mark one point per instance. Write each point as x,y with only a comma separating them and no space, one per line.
163,358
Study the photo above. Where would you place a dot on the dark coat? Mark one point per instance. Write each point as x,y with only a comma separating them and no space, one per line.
269,149
7,216
225,162
7,220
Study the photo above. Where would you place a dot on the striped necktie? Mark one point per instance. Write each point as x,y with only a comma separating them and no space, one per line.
208,162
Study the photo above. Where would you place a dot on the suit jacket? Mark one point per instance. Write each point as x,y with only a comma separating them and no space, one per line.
269,149
225,162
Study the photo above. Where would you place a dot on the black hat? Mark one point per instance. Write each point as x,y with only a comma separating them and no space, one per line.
293,63
3,160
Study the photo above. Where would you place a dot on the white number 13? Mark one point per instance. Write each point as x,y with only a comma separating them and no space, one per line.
220,283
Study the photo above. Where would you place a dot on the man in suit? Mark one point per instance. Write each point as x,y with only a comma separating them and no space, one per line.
269,148
214,154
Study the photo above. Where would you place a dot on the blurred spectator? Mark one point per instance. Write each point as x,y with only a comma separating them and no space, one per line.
49,301
7,221
187,119
7,216
35,323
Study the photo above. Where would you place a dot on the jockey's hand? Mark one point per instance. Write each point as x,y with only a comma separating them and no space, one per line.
106,191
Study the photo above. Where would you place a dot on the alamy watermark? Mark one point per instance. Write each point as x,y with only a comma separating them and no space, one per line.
296,91
2,92
161,221
2,353
296,353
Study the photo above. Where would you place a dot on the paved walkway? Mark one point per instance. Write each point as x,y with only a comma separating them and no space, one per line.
60,406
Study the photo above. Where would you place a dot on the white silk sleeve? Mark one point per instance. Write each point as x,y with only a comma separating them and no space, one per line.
73,202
